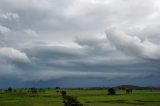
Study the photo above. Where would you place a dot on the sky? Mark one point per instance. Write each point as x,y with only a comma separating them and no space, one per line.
79,43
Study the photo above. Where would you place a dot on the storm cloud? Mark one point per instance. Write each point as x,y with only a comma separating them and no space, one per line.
103,40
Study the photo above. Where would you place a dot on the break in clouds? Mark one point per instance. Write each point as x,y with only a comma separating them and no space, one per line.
42,40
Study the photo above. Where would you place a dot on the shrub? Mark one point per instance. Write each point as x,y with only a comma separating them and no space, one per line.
71,101
9,89
57,87
111,91
63,93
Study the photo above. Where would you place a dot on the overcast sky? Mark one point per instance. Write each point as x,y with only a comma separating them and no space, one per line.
75,43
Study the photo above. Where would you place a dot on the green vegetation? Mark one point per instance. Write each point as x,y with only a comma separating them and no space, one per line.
111,91
50,97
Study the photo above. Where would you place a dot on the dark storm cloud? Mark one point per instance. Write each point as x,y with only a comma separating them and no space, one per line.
52,62
50,39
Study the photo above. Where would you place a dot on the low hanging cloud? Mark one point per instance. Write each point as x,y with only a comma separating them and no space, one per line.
12,54
133,45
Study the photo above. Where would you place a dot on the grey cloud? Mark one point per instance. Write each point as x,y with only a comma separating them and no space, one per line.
149,32
9,16
133,45
91,41
3,33
56,62
31,32
50,39
4,29
13,54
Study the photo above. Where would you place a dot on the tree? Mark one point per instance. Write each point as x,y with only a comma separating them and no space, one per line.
63,93
57,88
9,89
33,90
111,91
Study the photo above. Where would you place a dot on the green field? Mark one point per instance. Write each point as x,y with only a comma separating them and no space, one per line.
87,97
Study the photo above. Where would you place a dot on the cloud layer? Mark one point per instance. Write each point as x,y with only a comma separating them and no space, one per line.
133,44
45,40
13,55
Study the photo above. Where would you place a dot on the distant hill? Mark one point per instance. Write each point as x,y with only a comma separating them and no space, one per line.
135,87
128,86
122,87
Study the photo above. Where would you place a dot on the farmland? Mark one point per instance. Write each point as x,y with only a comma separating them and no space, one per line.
86,97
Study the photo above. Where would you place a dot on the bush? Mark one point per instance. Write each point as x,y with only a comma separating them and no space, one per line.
57,87
111,91
63,93
71,101
9,89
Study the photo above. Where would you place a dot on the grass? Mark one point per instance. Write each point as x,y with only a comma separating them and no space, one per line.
87,97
